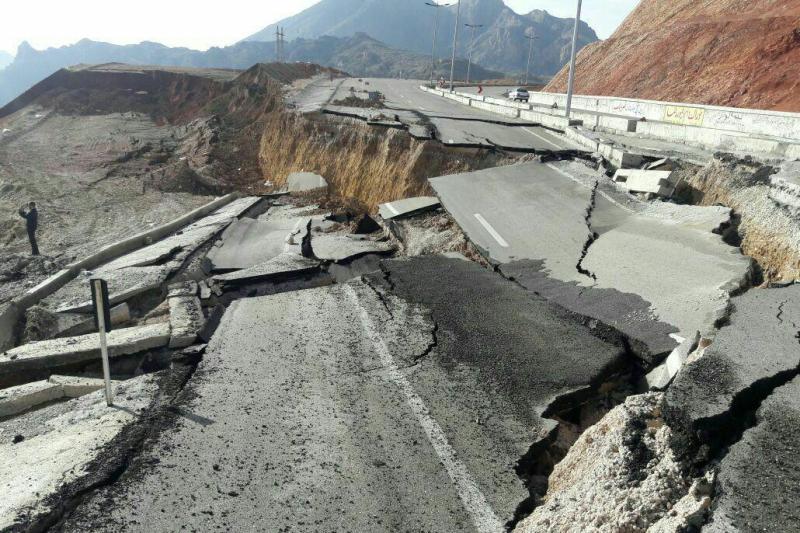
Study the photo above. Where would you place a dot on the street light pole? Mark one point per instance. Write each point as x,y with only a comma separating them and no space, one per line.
532,37
455,45
435,29
571,82
471,46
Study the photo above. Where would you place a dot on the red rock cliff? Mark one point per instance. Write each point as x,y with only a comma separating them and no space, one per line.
741,53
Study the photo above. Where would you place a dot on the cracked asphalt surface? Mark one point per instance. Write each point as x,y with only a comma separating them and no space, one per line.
391,405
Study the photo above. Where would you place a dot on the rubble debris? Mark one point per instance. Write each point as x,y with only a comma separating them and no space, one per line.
184,288
620,475
366,225
658,182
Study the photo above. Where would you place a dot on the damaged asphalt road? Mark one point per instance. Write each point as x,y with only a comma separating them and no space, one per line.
399,403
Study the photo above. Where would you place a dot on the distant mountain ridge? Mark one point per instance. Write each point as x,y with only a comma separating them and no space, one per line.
500,44
359,55
5,59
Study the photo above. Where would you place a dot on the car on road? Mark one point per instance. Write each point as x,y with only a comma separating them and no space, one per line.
519,95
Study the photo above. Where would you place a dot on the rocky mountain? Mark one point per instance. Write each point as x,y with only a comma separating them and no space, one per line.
405,24
359,55
741,53
5,59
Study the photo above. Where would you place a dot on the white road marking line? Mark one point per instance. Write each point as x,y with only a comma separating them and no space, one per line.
488,227
391,208
483,516
579,182
554,145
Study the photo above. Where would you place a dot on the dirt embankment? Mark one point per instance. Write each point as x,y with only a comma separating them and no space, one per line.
741,53
369,164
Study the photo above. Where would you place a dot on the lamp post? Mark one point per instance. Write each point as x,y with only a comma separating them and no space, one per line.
473,27
455,44
571,82
435,29
532,37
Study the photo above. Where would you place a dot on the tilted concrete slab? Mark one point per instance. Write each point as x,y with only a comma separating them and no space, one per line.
305,181
60,352
663,261
408,207
249,242
21,398
77,386
283,265
340,248
759,344
756,488
646,181
185,320
58,444
661,376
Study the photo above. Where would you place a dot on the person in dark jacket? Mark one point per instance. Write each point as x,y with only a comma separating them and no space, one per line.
31,217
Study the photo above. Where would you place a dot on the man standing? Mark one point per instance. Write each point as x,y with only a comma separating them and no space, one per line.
31,217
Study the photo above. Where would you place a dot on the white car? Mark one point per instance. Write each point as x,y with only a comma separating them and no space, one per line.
519,95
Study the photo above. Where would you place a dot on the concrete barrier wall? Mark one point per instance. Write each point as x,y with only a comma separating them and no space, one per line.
550,121
11,315
747,121
494,108
508,103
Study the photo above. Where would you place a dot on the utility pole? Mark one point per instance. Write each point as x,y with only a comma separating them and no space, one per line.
455,45
435,30
277,44
571,82
473,27
532,37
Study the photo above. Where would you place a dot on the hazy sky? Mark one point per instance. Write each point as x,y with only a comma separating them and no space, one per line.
200,24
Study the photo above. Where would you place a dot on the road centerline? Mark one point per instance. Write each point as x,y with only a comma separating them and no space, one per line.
493,232
543,138
473,499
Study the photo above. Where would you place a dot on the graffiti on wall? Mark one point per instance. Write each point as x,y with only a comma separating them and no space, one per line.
687,116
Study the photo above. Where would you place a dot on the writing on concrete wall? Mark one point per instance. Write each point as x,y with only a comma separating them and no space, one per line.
687,116
625,107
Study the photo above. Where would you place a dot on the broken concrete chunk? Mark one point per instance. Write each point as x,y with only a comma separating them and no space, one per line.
660,377
646,181
71,350
663,164
184,288
186,320
19,399
76,386
408,207
305,181
205,290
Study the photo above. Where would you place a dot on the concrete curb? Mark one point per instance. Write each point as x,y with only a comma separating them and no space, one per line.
11,315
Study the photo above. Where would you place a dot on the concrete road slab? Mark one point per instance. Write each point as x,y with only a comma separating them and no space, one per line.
57,444
249,242
666,256
279,266
758,479
185,320
60,352
15,400
322,413
331,247
759,344
408,207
